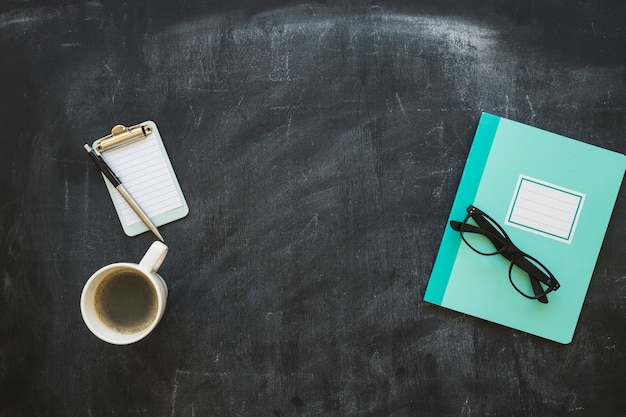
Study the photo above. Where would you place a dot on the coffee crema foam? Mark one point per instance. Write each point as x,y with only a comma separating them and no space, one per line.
126,301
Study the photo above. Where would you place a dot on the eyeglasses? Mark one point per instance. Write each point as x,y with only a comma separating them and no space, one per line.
485,236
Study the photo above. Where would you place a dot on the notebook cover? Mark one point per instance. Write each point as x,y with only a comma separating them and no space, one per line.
512,169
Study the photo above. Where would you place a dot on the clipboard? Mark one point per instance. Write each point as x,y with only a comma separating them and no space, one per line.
138,157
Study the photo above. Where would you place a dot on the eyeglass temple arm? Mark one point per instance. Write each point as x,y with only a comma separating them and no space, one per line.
482,222
537,289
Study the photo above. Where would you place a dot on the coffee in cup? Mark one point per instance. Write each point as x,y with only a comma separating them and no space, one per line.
126,301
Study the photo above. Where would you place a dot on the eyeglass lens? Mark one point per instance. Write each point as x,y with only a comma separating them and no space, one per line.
522,282
482,241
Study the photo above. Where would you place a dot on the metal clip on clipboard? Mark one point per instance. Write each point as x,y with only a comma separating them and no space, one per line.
122,135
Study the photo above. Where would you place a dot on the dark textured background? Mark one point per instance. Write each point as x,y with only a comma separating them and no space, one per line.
319,146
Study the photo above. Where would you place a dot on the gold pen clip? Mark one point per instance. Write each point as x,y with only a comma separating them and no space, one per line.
121,135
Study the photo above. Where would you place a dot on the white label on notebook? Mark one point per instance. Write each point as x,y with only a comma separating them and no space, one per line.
546,209
144,172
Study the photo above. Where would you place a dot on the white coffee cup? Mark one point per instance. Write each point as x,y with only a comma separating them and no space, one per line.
123,302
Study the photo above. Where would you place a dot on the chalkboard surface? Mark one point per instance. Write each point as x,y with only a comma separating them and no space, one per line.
319,146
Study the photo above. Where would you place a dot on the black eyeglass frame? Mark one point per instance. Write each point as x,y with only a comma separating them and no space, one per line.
503,245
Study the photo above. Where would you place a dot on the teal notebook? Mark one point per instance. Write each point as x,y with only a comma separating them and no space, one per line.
554,197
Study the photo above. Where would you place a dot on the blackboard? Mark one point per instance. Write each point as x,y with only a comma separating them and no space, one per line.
319,146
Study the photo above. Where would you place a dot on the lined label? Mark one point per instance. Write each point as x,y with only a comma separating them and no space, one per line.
546,209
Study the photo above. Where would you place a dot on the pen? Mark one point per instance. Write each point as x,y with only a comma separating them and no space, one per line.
110,175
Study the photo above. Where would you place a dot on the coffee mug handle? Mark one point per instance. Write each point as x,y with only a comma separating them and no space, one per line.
153,259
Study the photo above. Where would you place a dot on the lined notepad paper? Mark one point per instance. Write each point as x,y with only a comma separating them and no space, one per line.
145,170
